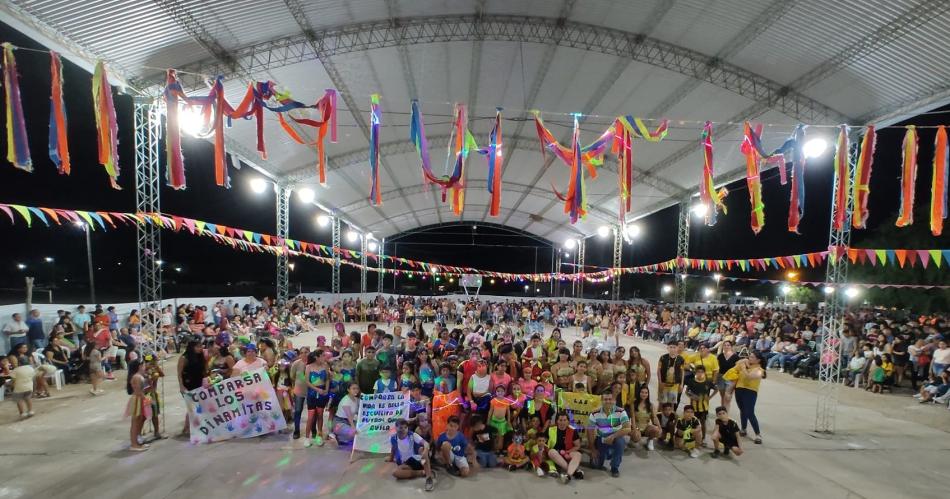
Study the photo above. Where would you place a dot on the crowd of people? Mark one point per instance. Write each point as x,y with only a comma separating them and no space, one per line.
506,371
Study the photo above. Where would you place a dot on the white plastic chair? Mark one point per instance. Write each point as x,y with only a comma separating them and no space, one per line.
58,377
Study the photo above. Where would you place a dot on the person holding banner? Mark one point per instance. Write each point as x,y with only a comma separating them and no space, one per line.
344,420
410,453
608,434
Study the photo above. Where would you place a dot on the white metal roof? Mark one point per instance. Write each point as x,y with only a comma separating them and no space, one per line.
778,61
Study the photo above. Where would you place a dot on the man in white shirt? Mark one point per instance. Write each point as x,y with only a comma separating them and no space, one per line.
15,331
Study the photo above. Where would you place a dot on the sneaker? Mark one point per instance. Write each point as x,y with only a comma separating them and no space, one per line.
100,391
615,473
93,392
511,467
650,444
579,475
781,369
725,452
917,395
715,454
430,484
307,443
539,472
758,440
296,435
553,474
564,478
318,440
693,453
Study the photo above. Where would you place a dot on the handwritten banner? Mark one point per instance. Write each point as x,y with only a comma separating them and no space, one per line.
377,419
579,406
239,407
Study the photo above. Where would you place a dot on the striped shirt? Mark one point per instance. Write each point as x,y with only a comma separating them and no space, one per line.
607,424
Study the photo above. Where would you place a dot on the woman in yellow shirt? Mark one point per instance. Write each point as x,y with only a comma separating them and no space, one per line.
749,373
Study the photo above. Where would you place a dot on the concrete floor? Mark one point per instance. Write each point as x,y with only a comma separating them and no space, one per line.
886,446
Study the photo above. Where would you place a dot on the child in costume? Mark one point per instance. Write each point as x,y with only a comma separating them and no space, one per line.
153,374
498,416
725,435
688,428
516,457
139,407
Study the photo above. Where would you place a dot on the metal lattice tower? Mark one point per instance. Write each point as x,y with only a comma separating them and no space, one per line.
682,252
832,314
364,242
335,280
147,200
581,255
283,232
381,265
618,255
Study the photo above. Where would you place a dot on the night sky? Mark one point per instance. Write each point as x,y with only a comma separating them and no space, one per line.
209,269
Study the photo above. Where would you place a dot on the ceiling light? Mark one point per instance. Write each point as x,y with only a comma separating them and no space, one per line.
323,220
306,195
815,147
373,246
570,244
352,236
603,231
700,210
258,185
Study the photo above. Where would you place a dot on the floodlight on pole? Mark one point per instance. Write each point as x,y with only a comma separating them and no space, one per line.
352,236
603,231
707,292
191,121
786,289
306,195
570,244
829,290
21,266
852,293
667,289
323,220
373,246
258,185
48,259
632,231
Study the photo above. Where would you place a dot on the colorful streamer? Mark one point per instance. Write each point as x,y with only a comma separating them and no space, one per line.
417,135
18,144
58,143
254,241
458,147
908,177
796,202
325,106
754,182
862,179
842,177
495,158
375,120
938,190
712,199
623,148
175,171
637,128
107,127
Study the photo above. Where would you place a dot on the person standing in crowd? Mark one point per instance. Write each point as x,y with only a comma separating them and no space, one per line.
23,376
15,331
139,407
35,332
669,375
249,362
192,370
93,359
750,374
609,435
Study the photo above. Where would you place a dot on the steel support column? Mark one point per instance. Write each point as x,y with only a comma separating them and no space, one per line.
283,232
364,243
381,265
581,254
832,314
617,263
147,200
682,252
335,280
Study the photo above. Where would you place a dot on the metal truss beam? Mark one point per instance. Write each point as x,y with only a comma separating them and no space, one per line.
554,225
529,29
283,232
364,242
312,43
524,189
381,266
832,314
147,125
460,223
682,252
546,59
768,17
617,263
335,278
911,19
581,258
